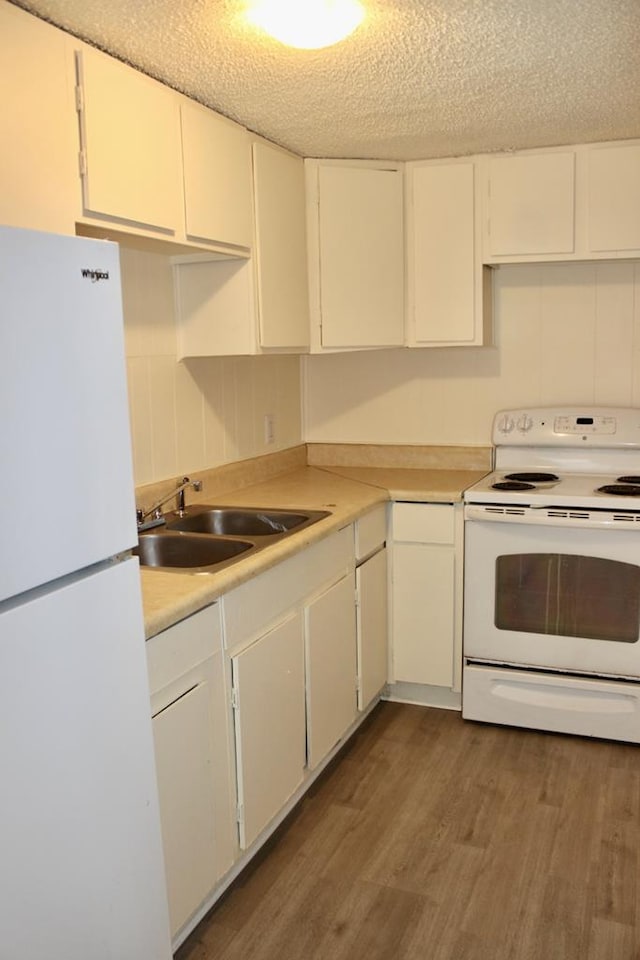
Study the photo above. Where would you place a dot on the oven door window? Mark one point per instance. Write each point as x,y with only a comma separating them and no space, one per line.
567,595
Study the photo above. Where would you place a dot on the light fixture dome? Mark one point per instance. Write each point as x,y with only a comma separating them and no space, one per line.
308,24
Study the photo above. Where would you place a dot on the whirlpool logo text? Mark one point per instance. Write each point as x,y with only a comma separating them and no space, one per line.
94,275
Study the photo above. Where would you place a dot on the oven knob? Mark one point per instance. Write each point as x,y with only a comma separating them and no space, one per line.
505,424
525,423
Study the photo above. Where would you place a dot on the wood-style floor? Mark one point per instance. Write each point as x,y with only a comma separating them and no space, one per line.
432,838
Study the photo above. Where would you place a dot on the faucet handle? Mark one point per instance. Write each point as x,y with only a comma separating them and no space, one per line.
186,482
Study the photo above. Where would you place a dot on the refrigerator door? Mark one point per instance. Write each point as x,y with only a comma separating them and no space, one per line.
82,870
66,484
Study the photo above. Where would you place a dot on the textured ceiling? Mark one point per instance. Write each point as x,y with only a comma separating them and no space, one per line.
418,79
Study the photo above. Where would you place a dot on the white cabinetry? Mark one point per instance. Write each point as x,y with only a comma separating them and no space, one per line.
216,155
38,158
191,735
269,708
569,203
531,204
242,727
157,165
280,247
236,307
449,290
426,598
371,604
330,649
130,140
307,601
356,254
613,199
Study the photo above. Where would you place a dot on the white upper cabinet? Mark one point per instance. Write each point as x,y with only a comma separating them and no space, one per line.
448,288
237,307
280,247
217,177
573,203
613,198
530,200
130,139
356,255
38,157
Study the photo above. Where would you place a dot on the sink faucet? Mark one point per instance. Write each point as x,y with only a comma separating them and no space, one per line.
155,512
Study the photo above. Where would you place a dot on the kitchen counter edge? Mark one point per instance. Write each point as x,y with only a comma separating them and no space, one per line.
348,492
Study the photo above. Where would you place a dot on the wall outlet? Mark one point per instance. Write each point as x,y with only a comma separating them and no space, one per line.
269,428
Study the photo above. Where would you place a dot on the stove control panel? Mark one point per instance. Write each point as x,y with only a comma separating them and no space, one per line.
568,427
584,424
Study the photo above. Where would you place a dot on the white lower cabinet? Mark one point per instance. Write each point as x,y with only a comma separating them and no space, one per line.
330,648
426,595
269,710
193,763
372,627
250,698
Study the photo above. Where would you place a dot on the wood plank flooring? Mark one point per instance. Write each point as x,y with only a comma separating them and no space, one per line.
432,838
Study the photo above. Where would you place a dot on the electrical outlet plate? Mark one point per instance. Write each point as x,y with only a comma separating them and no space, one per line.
269,428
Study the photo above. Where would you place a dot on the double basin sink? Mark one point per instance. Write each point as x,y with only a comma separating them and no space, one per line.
207,538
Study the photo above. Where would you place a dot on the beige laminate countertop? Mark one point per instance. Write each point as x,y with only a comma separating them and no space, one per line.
347,492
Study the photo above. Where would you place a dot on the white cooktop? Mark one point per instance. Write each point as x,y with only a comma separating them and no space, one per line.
586,447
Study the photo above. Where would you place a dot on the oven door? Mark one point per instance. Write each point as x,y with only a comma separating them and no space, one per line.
552,596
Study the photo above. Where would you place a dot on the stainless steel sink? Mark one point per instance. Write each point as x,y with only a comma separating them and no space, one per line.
179,551
245,521
208,538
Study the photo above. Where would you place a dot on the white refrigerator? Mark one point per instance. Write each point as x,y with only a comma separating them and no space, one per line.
81,868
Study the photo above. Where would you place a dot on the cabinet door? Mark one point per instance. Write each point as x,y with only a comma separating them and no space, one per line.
446,283
361,257
268,682
281,247
183,749
331,668
531,204
217,177
38,139
613,198
371,588
130,132
215,308
423,613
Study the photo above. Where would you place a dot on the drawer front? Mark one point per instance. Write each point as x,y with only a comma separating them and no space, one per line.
423,522
371,531
256,606
180,648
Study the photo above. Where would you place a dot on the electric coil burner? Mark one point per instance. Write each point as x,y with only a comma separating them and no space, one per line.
534,477
512,485
620,489
552,574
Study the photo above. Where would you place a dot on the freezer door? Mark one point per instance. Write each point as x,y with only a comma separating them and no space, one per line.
82,870
66,483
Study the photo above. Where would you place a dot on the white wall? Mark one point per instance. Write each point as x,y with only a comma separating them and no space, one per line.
563,333
195,414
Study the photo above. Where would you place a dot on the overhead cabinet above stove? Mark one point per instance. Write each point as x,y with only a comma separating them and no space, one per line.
569,203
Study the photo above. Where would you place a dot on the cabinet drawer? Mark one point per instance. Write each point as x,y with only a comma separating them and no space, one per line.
259,604
371,532
423,522
182,647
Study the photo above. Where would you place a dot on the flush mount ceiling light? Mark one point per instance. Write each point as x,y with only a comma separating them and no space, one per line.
308,24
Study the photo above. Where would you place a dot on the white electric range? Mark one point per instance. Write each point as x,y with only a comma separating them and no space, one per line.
552,574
